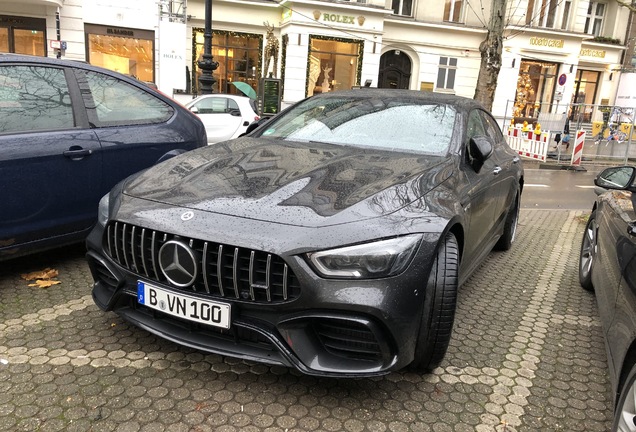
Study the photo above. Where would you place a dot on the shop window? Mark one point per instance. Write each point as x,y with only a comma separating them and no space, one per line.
402,7
535,88
23,35
334,64
454,11
446,73
34,98
584,95
29,42
239,57
4,39
594,18
111,102
128,51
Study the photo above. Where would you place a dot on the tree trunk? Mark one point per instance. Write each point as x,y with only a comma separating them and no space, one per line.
490,50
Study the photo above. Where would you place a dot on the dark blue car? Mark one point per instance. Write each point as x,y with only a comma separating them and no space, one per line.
68,133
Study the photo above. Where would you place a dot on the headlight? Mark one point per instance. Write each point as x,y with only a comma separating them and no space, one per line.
102,210
370,260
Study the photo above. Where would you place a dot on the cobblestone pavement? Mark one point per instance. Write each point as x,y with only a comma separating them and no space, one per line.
527,354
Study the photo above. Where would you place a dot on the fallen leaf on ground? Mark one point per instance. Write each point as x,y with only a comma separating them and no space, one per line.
44,283
47,273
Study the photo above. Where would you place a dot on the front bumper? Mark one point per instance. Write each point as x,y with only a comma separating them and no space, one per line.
323,327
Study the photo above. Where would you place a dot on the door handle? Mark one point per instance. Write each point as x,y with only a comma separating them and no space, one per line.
631,229
515,159
77,153
497,171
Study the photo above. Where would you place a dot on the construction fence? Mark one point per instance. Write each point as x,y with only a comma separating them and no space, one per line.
573,133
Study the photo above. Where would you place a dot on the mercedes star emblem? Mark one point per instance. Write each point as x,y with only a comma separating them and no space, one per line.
187,216
178,263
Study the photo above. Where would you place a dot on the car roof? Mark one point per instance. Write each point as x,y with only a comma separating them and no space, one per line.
423,96
80,64
23,58
226,95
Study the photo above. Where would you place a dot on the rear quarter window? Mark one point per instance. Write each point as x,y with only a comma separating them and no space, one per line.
111,102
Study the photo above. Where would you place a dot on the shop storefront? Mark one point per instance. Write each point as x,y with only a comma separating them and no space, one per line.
23,35
584,96
535,87
238,54
333,64
125,50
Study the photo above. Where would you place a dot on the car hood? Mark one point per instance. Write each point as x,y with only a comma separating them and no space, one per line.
301,184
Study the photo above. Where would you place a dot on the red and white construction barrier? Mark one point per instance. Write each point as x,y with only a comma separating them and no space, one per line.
577,150
529,144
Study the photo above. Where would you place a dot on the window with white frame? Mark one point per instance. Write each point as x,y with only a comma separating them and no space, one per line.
545,13
402,7
454,11
446,73
594,18
565,18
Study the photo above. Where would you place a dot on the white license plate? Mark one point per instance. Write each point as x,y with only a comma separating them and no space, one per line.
184,306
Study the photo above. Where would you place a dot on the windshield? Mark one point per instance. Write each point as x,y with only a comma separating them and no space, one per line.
408,125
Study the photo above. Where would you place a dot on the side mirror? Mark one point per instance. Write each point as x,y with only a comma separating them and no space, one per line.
194,110
256,124
617,178
235,113
480,149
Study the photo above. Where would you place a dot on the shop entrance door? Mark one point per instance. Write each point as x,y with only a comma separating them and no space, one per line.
395,70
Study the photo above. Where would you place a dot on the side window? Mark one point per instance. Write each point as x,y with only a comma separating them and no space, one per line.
492,128
111,102
34,98
232,105
475,126
215,105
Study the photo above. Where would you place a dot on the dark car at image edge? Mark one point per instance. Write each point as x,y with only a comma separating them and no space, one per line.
332,239
607,266
69,132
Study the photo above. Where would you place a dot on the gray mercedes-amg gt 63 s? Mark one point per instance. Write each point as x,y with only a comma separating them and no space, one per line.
332,238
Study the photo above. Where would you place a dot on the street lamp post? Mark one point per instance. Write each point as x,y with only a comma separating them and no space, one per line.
207,63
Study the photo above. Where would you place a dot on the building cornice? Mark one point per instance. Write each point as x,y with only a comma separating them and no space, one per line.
337,4
53,3
411,22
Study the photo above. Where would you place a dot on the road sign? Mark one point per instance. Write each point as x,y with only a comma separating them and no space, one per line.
562,79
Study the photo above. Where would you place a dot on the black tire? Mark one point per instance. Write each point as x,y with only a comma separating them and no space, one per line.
438,312
510,227
588,252
625,410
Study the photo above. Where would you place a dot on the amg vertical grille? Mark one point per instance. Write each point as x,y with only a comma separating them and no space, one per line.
225,271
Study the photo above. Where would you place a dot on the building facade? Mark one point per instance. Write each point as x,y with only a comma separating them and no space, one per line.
556,52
